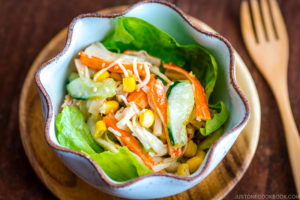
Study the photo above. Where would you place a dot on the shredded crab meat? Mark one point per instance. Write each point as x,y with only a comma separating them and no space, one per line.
123,98
147,78
118,114
69,101
116,133
82,70
107,145
126,114
135,70
153,60
94,105
165,163
121,95
147,138
123,68
157,128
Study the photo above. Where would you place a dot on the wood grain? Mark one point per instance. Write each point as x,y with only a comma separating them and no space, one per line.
27,26
65,185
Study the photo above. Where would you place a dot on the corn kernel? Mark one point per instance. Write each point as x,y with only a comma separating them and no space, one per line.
183,170
100,77
201,154
146,118
129,84
191,149
194,163
116,76
100,129
109,107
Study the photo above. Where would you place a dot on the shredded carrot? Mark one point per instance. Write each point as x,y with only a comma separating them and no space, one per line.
202,109
139,98
129,140
98,63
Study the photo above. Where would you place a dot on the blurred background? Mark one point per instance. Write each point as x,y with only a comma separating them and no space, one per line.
27,26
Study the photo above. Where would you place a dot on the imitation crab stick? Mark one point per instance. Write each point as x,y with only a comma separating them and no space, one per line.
98,63
202,109
158,102
129,140
139,98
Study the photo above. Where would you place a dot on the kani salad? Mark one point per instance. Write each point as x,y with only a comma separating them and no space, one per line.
138,103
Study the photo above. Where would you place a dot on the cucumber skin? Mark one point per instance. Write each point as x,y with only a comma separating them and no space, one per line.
162,80
171,87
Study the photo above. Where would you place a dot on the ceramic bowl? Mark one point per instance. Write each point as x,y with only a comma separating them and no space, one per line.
88,28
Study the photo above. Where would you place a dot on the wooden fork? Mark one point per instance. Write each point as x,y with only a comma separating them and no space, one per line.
266,39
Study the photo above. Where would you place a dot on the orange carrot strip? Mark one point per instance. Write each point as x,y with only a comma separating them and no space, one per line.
158,102
202,109
129,140
139,98
98,63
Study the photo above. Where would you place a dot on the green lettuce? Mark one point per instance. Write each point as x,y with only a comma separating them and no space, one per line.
73,133
136,34
122,165
217,120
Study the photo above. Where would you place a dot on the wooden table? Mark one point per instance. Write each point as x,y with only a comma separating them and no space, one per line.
27,26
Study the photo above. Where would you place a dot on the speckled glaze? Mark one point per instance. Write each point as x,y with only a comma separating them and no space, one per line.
89,28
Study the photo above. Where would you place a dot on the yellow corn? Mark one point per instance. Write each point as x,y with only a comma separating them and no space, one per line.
191,149
109,107
146,118
100,129
100,77
194,163
116,76
129,84
201,154
183,170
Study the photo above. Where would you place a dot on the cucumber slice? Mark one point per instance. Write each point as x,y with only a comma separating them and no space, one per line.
180,105
162,80
84,88
72,77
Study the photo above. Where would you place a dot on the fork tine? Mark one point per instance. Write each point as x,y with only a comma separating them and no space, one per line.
257,20
278,20
247,28
268,20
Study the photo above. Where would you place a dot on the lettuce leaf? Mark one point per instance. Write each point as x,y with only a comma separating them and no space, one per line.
73,132
218,119
122,165
136,34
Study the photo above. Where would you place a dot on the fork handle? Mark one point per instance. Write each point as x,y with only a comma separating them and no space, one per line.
290,128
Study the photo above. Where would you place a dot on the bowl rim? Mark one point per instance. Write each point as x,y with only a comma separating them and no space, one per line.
101,173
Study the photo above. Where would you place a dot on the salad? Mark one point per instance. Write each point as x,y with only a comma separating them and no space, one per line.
138,102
